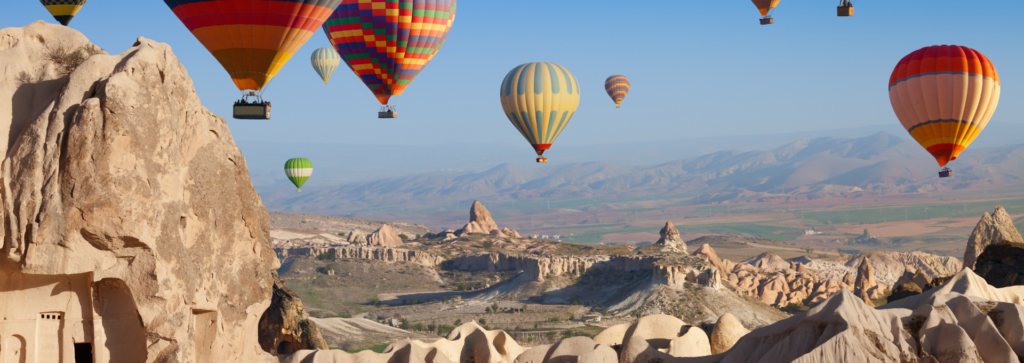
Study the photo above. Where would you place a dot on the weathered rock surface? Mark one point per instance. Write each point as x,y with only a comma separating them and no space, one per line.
866,286
904,290
466,343
671,239
769,261
406,351
577,349
778,285
727,331
128,209
384,254
705,251
385,237
995,228
285,327
357,236
480,222
1002,264
676,272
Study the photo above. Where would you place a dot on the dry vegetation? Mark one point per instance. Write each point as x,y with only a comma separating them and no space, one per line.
67,59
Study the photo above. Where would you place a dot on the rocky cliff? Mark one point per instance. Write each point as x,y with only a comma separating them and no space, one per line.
995,228
285,327
127,207
1002,264
384,254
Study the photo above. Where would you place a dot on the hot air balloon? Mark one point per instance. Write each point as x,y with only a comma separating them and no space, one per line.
617,87
388,42
63,10
540,98
325,62
845,8
944,96
252,39
298,171
766,7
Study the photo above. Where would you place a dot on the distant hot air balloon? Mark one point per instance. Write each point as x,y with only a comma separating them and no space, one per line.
325,62
63,10
944,95
388,42
298,171
617,87
765,7
540,98
252,39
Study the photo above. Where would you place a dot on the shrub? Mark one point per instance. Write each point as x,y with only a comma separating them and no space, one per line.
458,322
67,60
431,327
418,327
462,287
488,244
551,335
494,308
327,256
417,236
375,300
483,321
403,237
405,324
554,320
444,329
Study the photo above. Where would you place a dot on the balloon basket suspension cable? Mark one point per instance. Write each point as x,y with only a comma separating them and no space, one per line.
945,172
257,109
388,111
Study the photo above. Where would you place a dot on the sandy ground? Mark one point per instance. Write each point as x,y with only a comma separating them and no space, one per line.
910,228
282,234
359,333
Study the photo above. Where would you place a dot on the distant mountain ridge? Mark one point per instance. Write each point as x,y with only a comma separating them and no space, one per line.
808,168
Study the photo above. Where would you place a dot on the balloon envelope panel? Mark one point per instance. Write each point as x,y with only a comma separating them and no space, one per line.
252,39
944,96
540,100
388,42
63,10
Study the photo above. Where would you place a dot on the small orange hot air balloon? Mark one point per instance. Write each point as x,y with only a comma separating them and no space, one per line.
766,7
944,95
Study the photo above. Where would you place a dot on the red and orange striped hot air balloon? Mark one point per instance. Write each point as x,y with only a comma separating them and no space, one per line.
944,95
252,39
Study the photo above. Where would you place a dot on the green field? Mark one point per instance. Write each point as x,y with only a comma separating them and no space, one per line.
916,212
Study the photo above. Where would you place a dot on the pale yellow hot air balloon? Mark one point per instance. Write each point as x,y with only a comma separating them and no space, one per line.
540,99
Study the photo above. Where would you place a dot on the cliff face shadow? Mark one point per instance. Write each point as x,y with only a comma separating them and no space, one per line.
37,95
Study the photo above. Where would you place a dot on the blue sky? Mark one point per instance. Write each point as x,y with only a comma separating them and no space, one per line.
698,68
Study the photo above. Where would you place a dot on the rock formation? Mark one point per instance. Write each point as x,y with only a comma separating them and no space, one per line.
778,286
671,239
1002,265
577,349
613,335
384,254
904,290
130,222
285,327
866,286
705,251
769,261
728,330
385,237
676,272
480,222
357,237
995,228
659,330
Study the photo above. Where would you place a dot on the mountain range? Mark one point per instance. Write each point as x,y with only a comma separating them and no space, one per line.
808,168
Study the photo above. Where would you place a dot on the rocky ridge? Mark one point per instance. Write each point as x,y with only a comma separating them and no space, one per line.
122,189
995,228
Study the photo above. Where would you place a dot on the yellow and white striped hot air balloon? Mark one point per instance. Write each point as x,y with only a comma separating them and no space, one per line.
325,62
540,99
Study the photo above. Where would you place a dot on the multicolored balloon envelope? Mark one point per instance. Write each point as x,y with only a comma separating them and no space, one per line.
540,100
252,39
388,42
944,95
617,87
325,62
298,171
63,10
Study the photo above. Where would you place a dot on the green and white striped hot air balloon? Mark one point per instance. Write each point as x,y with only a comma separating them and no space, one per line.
298,171
325,62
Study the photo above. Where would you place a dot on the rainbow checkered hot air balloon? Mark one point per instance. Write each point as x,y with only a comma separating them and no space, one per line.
388,42
540,100
325,62
944,95
298,171
617,87
63,10
252,39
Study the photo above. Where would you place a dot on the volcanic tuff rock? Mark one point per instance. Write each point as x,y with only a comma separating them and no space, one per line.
576,349
890,266
128,208
676,272
769,261
778,287
384,237
671,239
384,254
480,222
285,327
357,236
904,290
995,228
866,286
708,253
1002,264
727,331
